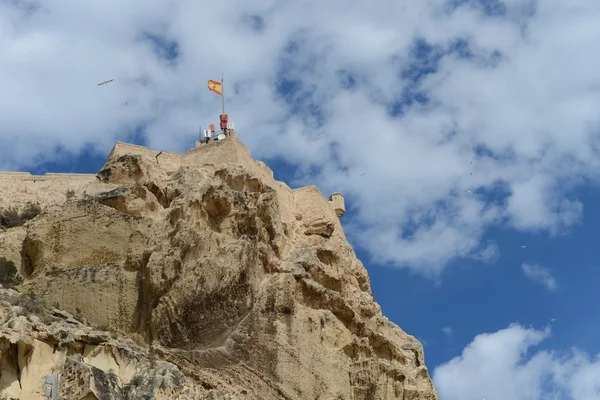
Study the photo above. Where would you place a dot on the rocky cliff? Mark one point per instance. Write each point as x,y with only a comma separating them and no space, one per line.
215,282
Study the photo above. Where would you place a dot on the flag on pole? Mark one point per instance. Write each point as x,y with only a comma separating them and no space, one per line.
215,86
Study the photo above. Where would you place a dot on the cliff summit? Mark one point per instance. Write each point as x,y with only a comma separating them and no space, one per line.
192,276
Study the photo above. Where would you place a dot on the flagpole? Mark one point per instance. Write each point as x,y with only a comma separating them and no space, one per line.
222,95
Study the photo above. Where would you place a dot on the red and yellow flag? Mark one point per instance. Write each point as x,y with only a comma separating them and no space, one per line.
215,86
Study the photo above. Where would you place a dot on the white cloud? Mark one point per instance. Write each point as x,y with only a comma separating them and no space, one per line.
529,93
539,274
447,330
504,365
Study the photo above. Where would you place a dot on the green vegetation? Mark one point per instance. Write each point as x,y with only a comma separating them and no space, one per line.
8,274
31,305
11,217
137,380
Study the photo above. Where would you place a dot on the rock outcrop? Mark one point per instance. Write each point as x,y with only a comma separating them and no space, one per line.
36,341
217,282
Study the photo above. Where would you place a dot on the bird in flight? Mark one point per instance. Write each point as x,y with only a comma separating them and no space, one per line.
105,82
523,247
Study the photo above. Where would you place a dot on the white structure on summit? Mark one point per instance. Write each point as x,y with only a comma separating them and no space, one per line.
208,134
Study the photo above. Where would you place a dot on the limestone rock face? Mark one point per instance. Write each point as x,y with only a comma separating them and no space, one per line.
242,287
93,364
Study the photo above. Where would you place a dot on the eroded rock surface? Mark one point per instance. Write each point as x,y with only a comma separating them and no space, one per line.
243,287
36,341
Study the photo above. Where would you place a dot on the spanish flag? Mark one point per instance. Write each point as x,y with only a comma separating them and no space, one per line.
215,86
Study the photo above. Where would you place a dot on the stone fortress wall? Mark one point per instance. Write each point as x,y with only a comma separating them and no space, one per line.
18,188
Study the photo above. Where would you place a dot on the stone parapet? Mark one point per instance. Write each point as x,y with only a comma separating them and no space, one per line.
18,188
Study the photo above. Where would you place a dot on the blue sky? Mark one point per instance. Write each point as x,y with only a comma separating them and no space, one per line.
458,131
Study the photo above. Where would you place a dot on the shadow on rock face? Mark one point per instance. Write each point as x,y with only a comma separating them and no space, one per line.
29,255
217,206
206,319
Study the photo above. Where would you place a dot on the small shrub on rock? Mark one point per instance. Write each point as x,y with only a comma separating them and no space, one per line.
11,217
32,304
30,211
8,274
